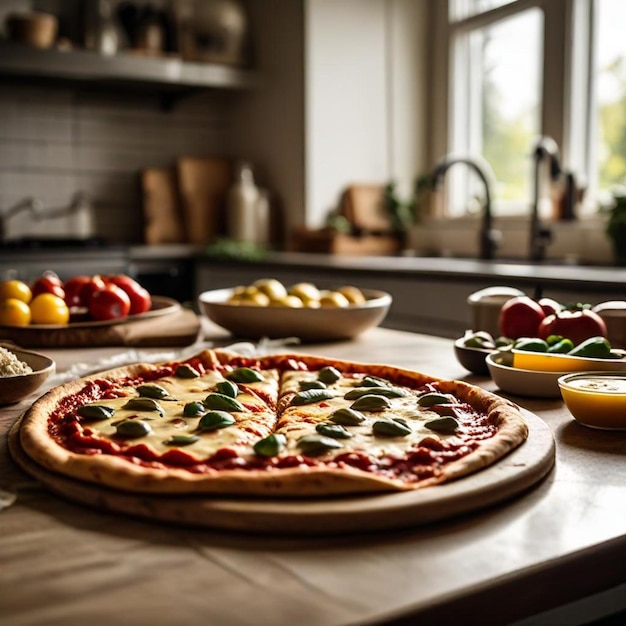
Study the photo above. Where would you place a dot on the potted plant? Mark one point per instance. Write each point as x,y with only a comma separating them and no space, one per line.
616,225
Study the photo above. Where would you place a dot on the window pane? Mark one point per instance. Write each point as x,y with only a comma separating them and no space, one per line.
611,93
503,88
461,9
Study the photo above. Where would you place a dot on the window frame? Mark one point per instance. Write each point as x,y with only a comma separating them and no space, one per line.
559,88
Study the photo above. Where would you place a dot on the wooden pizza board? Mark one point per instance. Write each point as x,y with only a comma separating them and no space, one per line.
512,475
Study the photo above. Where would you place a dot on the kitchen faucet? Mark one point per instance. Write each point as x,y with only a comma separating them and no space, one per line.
34,205
80,209
489,238
541,234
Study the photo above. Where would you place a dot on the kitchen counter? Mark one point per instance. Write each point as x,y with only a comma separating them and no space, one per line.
429,294
562,542
585,277
563,275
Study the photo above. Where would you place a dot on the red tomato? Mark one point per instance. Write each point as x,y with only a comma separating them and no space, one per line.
550,306
109,303
72,288
140,300
94,284
574,325
48,282
520,317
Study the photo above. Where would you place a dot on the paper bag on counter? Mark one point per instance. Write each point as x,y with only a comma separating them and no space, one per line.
204,184
161,206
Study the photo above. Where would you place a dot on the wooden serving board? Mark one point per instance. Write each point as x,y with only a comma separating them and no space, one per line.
166,324
512,475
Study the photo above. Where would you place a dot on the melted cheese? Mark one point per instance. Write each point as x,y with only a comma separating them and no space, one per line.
363,437
259,420
251,425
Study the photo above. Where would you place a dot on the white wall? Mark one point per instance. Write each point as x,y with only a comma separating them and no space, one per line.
365,70
347,117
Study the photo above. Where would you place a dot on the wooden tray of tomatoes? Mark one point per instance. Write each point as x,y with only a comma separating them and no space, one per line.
82,311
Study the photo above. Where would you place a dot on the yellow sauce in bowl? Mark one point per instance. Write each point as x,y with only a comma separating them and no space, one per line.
596,399
544,362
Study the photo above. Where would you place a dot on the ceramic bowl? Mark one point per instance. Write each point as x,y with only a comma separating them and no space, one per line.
522,382
16,388
596,399
308,324
472,359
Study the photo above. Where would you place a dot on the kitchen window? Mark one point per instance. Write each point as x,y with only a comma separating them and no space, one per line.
520,69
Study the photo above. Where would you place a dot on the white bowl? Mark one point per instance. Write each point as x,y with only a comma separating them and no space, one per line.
308,324
521,382
16,388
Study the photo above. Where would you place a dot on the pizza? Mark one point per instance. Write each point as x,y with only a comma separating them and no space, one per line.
276,425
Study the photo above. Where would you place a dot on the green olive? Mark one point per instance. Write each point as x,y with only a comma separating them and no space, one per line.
214,420
227,388
143,404
193,409
181,440
432,398
309,396
443,424
152,391
220,402
371,402
391,427
311,384
347,417
245,375
133,428
335,431
270,445
96,412
314,445
184,370
329,375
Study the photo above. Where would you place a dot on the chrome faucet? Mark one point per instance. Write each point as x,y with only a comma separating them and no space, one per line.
33,205
541,234
80,208
489,238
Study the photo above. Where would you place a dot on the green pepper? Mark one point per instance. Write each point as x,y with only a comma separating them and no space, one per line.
594,347
531,344
563,346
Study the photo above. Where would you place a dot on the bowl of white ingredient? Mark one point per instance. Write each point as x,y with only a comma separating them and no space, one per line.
21,373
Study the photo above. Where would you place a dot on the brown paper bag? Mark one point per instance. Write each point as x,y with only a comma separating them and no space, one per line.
204,184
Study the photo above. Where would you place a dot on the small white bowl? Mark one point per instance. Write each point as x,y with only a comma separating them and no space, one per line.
16,388
521,382
308,324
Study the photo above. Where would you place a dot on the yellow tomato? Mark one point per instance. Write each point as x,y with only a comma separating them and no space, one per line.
17,289
46,308
14,312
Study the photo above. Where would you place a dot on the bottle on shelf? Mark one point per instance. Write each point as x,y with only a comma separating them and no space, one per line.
247,208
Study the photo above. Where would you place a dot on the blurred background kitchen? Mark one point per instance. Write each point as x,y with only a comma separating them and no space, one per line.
474,129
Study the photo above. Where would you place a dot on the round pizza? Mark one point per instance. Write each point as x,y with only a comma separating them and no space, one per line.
277,425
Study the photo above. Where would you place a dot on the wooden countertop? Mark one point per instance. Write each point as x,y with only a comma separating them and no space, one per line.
65,563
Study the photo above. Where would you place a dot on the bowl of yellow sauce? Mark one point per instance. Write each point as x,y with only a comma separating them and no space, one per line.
545,362
596,399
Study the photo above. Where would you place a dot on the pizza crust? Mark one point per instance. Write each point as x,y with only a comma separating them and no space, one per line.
121,473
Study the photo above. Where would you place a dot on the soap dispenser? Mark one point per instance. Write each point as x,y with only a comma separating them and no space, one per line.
242,206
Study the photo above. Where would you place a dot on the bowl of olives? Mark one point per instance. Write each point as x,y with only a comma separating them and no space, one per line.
472,349
268,309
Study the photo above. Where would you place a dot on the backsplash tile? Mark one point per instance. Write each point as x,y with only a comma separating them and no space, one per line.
54,142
